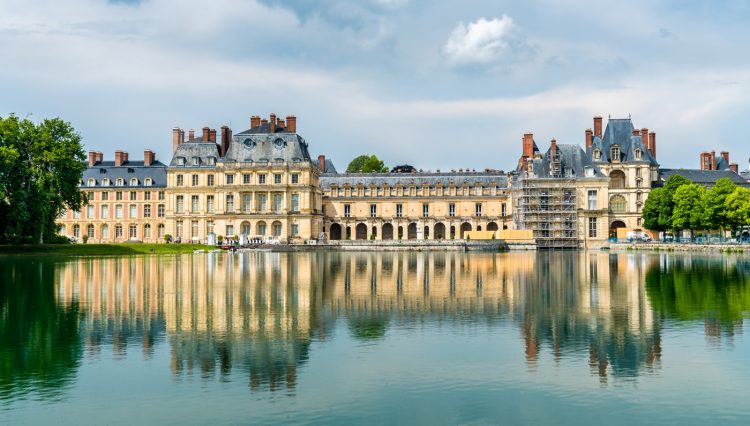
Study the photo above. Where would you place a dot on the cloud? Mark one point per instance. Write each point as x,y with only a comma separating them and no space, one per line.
481,42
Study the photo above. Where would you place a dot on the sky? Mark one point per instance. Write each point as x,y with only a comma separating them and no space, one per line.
435,84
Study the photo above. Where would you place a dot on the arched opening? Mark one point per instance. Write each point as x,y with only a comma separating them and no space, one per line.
411,231
479,227
387,231
261,229
361,231
90,231
465,227
616,179
245,228
335,232
276,228
439,231
614,227
453,232
617,204
348,232
105,232
492,226
400,232
374,232
147,232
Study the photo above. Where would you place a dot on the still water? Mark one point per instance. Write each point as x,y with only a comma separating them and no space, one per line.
372,338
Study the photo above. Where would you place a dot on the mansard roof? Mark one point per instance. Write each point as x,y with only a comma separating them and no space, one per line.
157,172
196,154
258,147
496,178
573,164
706,178
619,131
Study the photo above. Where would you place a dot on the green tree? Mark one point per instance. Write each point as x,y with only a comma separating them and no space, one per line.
366,164
651,210
659,206
40,170
688,207
737,206
714,205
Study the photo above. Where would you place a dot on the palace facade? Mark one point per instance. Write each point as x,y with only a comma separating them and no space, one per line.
263,183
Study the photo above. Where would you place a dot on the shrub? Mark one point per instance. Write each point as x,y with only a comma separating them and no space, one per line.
168,238
85,238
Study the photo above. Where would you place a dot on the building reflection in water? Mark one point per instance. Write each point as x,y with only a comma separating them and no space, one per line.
257,313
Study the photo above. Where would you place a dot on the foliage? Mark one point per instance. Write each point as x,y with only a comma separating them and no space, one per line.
688,207
100,249
366,164
737,205
714,205
168,238
40,170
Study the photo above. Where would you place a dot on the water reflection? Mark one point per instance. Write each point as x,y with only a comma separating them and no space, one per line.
252,317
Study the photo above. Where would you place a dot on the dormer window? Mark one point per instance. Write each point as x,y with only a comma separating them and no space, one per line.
196,161
147,182
211,161
615,153
180,161
597,154
91,182
120,182
134,182
638,154
105,182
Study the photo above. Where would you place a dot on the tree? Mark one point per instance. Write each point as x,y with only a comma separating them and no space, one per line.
651,210
688,207
737,206
41,168
366,164
714,205
659,206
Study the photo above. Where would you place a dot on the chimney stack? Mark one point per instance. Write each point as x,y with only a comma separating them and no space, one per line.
175,138
206,132
644,138
636,132
281,123
99,156
264,122
148,157
652,144
598,126
118,158
291,123
725,154
713,160
272,124
322,163
705,161
182,136
734,167
226,138
212,135
125,157
589,139
92,158
528,145
191,135
254,122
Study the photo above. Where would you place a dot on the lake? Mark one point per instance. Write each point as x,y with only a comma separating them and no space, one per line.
376,338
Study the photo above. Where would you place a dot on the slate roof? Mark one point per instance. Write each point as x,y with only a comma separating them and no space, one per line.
157,171
330,168
573,163
195,154
249,147
418,179
619,131
706,178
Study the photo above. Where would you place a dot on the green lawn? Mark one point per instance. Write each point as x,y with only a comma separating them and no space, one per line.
101,249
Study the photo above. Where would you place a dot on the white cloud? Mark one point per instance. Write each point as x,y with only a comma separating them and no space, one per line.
480,42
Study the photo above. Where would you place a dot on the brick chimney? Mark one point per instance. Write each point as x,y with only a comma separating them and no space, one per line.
281,123
99,156
322,163
212,135
148,157
652,143
589,139
206,133
291,123
175,138
725,154
118,158
226,139
528,145
182,136
254,122
272,124
705,161
644,137
92,158
713,160
264,122
125,158
734,167
191,135
598,126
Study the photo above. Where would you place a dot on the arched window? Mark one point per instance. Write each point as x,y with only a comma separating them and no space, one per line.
90,231
91,182
617,179
147,182
120,182
617,204
134,182
105,182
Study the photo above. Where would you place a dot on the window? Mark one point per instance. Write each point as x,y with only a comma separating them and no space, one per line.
246,179
89,212
295,177
638,196
178,229
615,153
196,161
617,204
425,210
277,203
399,210
147,195
133,232
210,226
91,182
133,196
639,221
194,229
637,154
180,205
277,178
147,231
638,172
194,181
277,229
230,204
160,210
295,202
76,231
638,183
118,195
105,232
210,180
105,212
373,210
161,195
161,230
503,209
148,182
592,200
90,231
106,182
262,178
210,203
247,199
133,211
262,202
105,196
118,231
592,227
478,209
133,182
261,228
230,179
180,180
230,230
295,230
120,182
194,201
147,210
452,209
616,179
118,211
347,210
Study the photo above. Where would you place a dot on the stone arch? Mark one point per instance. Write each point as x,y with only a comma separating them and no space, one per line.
465,227
439,231
348,232
614,226
335,233
276,228
400,232
411,231
453,232
616,179
387,231
360,231
260,228
374,232
245,228
617,204
492,226
426,233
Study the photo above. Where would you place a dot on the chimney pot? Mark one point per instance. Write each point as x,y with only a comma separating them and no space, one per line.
206,132
644,138
191,135
598,126
652,143
92,158
254,122
118,158
272,124
212,135
175,138
148,157
291,123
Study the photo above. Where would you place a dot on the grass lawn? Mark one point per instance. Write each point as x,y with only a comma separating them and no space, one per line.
101,249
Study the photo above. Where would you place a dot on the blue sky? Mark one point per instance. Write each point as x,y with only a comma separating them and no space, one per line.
439,85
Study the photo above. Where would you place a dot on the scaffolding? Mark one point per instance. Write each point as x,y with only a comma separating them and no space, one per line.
547,207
